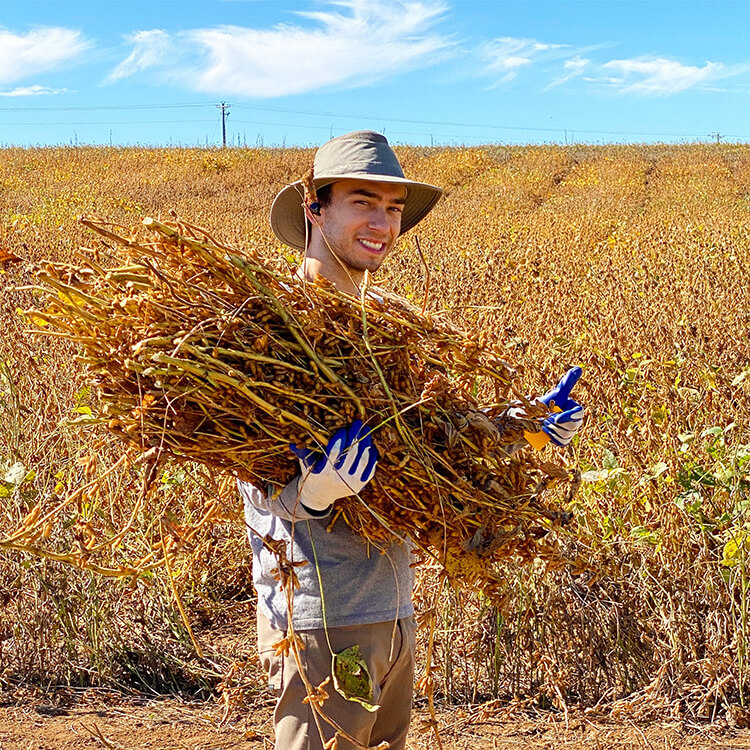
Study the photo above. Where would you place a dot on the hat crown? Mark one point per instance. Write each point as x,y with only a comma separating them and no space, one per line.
363,152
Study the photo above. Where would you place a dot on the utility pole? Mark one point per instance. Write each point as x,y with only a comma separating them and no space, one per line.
224,114
718,136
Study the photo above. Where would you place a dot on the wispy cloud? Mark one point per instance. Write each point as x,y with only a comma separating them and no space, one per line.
506,55
40,50
355,43
660,75
150,48
572,68
554,65
35,90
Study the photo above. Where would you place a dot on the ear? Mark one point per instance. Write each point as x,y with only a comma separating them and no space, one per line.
313,218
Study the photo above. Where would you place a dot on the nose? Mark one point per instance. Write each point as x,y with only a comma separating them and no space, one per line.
378,218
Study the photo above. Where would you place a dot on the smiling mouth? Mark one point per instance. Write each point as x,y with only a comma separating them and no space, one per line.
376,247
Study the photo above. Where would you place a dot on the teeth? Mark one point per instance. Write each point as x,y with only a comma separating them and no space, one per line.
372,245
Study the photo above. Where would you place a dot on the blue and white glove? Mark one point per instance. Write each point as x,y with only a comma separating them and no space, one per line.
343,469
563,426
566,421
559,396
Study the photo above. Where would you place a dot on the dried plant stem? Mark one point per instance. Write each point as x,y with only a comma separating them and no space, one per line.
176,594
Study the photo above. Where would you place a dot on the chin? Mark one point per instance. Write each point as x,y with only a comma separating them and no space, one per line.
370,266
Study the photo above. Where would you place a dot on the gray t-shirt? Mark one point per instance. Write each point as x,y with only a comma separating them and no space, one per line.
360,583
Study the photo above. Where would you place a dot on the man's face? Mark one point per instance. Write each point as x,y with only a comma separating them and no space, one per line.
362,221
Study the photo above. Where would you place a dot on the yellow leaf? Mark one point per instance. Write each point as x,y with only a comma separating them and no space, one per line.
37,321
736,548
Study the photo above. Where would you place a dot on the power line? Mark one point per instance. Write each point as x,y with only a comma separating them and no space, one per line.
329,129
445,123
327,114
102,108
355,116
109,122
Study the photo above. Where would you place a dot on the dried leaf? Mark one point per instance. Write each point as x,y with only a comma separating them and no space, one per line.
7,257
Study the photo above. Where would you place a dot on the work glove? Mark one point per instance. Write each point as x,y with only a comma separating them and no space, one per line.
562,426
344,468
559,396
568,413
565,421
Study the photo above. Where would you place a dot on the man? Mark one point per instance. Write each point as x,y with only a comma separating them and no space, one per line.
349,594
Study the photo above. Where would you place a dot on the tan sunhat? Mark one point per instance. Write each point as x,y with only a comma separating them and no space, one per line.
362,155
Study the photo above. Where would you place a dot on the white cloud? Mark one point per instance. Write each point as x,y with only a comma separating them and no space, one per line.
506,55
644,75
576,65
35,90
572,68
40,50
150,48
355,43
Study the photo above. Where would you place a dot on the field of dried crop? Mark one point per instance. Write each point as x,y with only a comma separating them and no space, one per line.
629,261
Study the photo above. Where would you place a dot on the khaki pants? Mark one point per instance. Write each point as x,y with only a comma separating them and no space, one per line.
389,656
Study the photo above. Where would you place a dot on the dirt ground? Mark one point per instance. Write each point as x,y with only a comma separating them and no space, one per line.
95,719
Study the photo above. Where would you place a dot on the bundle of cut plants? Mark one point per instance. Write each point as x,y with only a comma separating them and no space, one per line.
224,357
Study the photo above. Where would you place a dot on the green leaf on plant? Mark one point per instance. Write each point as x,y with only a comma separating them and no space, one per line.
351,677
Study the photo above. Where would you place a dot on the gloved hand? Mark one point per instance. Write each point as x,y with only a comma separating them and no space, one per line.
559,396
343,469
562,425
567,417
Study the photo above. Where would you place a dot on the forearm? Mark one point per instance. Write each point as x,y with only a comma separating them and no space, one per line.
285,504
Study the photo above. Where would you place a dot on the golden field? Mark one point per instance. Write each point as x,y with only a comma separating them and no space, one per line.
631,261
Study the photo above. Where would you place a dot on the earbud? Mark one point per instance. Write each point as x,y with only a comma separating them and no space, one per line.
315,208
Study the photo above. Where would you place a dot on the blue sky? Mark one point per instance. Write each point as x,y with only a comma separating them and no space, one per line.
423,71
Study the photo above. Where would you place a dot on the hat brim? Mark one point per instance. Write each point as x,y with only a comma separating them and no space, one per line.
288,217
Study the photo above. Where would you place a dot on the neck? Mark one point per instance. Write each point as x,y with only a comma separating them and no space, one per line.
320,261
